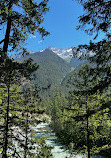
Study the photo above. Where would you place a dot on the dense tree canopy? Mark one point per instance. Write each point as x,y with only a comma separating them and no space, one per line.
20,18
97,16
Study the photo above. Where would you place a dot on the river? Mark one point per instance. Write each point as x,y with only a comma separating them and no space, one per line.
58,150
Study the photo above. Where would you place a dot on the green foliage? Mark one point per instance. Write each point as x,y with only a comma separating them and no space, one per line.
97,16
9,116
21,17
27,143
87,109
81,120
17,114
52,70
57,110
22,115
44,151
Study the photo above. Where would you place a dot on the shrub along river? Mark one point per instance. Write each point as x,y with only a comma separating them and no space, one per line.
58,151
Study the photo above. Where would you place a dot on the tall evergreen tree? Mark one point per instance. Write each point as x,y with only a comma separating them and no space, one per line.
20,18
30,145
85,106
57,111
97,16
12,76
82,82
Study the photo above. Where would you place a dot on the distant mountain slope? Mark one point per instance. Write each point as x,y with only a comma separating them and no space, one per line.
76,62
52,68
67,55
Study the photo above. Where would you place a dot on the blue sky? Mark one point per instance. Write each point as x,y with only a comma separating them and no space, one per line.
61,22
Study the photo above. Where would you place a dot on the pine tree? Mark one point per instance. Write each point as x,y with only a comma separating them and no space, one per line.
57,111
97,16
97,19
30,108
20,18
9,115
86,105
29,144
9,78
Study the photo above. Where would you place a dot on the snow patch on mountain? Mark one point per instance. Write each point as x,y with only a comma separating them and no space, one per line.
66,53
63,53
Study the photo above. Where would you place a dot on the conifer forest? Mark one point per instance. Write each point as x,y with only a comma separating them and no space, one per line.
54,104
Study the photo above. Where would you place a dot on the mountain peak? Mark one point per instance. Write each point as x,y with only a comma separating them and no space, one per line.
63,53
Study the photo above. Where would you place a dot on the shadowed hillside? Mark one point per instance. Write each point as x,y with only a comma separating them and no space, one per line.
52,68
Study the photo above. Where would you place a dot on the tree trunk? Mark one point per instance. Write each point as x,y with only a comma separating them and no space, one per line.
5,147
26,137
7,34
87,137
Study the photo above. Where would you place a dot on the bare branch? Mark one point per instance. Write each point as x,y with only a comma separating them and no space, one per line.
1,41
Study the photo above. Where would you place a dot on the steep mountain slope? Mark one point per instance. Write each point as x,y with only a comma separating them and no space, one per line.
67,55
76,62
52,68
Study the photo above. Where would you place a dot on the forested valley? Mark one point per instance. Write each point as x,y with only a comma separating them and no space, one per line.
73,96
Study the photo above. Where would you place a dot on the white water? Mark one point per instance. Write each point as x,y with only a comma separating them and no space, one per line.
58,151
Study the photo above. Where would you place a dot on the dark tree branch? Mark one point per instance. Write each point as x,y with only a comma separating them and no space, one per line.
7,35
2,41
